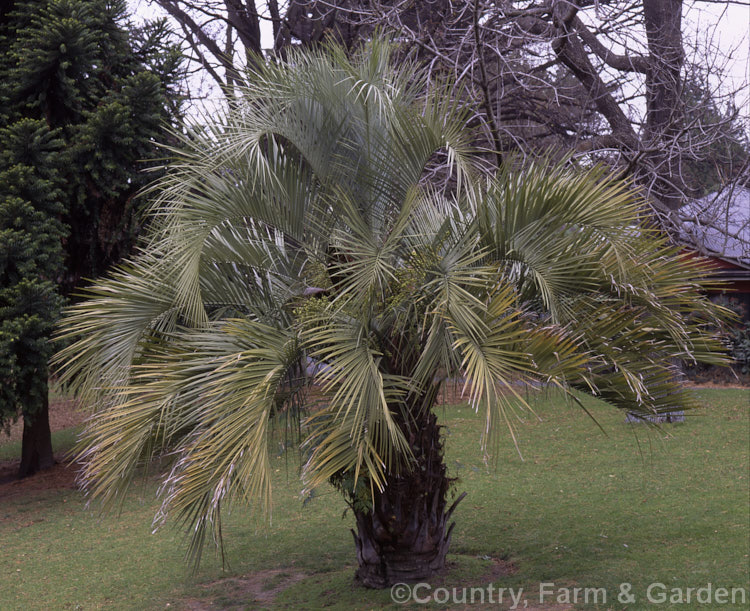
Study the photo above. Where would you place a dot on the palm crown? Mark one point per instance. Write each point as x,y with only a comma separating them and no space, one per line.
298,240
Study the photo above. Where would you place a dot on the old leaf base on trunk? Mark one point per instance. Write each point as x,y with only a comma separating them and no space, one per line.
404,536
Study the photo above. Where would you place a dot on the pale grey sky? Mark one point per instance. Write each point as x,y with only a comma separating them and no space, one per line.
732,37
724,26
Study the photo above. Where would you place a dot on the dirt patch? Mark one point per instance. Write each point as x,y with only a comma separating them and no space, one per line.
60,476
453,393
63,414
255,589
260,589
496,570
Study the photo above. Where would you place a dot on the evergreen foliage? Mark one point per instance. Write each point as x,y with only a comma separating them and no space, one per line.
723,159
30,261
83,99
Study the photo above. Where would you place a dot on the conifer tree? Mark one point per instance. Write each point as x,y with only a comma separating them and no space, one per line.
30,261
84,98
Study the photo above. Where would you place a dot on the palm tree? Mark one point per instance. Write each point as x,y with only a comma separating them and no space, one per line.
300,242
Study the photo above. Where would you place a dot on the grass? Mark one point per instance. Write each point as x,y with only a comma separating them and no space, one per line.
61,441
582,509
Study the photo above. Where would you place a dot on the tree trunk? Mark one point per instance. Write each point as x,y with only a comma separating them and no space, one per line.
36,449
405,536
664,116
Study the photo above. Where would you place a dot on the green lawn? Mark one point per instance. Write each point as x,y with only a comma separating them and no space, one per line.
582,509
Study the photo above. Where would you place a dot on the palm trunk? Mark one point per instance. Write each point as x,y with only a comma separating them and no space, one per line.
405,536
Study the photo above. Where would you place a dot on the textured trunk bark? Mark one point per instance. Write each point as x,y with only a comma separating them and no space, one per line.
36,448
664,114
405,536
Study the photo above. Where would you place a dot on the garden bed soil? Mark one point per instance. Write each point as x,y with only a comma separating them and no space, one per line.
60,476
63,414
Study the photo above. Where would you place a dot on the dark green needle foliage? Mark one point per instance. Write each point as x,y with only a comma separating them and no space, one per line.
83,98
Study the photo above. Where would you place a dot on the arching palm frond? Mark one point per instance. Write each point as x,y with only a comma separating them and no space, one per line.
575,246
317,167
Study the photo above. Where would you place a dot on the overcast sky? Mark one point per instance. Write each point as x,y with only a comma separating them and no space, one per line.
732,36
724,25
